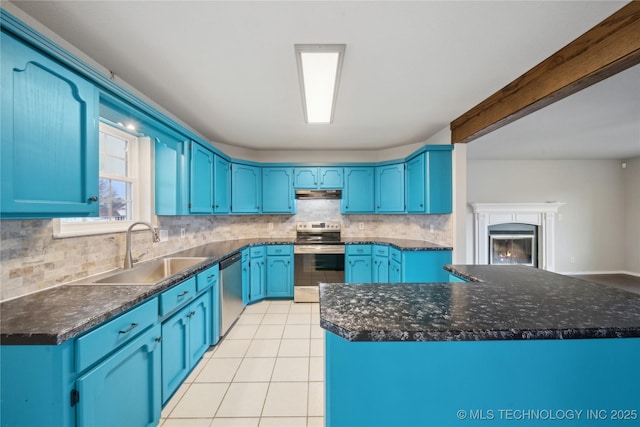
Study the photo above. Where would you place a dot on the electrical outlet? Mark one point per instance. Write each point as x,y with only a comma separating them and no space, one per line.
361,226
430,228
164,235
183,233
572,260
270,226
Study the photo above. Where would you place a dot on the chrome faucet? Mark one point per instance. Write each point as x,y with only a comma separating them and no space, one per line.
128,259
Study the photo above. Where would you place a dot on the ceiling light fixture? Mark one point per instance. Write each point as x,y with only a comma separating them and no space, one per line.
319,67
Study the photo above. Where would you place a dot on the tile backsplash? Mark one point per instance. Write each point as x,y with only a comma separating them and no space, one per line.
32,260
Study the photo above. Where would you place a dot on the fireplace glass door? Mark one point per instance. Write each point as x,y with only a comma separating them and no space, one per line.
512,249
513,244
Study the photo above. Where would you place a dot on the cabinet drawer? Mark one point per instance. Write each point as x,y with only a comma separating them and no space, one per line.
381,250
208,277
177,296
358,249
395,254
101,341
257,251
279,250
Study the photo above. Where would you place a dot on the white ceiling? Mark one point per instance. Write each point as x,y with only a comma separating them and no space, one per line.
227,68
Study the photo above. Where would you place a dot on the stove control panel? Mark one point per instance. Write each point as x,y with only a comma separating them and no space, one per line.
315,226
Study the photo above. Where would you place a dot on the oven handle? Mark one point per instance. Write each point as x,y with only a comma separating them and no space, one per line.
318,249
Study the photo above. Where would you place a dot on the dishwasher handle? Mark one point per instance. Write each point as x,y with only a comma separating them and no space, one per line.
231,260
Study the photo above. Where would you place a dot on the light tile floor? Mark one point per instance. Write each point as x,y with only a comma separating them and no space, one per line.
267,372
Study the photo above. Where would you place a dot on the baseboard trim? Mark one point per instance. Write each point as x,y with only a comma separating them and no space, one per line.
580,273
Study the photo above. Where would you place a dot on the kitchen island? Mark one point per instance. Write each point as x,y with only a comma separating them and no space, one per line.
513,345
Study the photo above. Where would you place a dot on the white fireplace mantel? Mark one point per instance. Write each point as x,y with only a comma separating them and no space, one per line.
542,215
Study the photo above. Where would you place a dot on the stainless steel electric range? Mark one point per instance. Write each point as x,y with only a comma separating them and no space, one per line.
319,257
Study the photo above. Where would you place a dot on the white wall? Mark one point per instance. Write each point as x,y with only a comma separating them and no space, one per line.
631,182
591,226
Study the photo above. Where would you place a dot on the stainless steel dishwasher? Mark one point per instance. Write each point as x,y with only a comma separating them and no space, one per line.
230,291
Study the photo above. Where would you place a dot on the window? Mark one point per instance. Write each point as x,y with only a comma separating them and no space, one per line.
124,187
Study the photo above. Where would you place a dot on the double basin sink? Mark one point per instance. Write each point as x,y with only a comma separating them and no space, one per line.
152,272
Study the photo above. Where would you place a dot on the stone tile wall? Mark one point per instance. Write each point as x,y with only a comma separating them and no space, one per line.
32,260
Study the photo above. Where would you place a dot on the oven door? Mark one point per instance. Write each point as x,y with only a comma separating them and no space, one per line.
315,264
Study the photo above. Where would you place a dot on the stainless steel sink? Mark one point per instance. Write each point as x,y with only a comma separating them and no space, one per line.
152,272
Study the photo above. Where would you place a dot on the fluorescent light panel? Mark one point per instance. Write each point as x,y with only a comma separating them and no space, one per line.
319,73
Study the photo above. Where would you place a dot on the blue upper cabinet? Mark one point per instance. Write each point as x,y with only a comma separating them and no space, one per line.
170,176
201,183
277,190
439,181
416,184
390,188
222,186
429,182
49,137
246,188
313,178
357,196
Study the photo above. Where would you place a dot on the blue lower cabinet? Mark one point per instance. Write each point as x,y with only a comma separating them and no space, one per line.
395,272
357,268
280,271
455,279
185,338
380,267
35,384
425,266
257,274
246,277
124,390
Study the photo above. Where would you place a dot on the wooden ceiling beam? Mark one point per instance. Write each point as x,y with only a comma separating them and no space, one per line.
610,47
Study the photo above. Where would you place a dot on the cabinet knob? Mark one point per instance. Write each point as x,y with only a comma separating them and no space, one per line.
93,198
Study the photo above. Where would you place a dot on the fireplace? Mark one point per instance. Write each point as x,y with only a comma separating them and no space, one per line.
515,233
513,243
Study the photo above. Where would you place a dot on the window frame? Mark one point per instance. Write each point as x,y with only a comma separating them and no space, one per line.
140,171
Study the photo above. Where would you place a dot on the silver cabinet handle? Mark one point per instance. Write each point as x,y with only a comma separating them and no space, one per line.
180,295
93,198
129,329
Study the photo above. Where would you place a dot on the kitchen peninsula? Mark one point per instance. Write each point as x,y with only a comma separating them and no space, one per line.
513,344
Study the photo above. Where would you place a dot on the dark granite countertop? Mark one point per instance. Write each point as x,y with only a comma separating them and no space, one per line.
500,303
402,244
58,314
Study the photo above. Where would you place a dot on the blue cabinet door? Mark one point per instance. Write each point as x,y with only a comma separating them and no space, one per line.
201,183
380,271
439,182
246,277
222,186
395,272
48,137
358,269
246,188
305,178
425,266
416,184
277,190
358,190
312,178
199,327
330,178
124,390
280,276
390,188
257,278
170,176
175,352
429,182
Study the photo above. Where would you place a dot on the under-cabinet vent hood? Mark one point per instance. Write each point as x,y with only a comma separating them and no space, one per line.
318,194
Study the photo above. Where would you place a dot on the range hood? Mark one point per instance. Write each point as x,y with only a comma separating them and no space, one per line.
318,194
